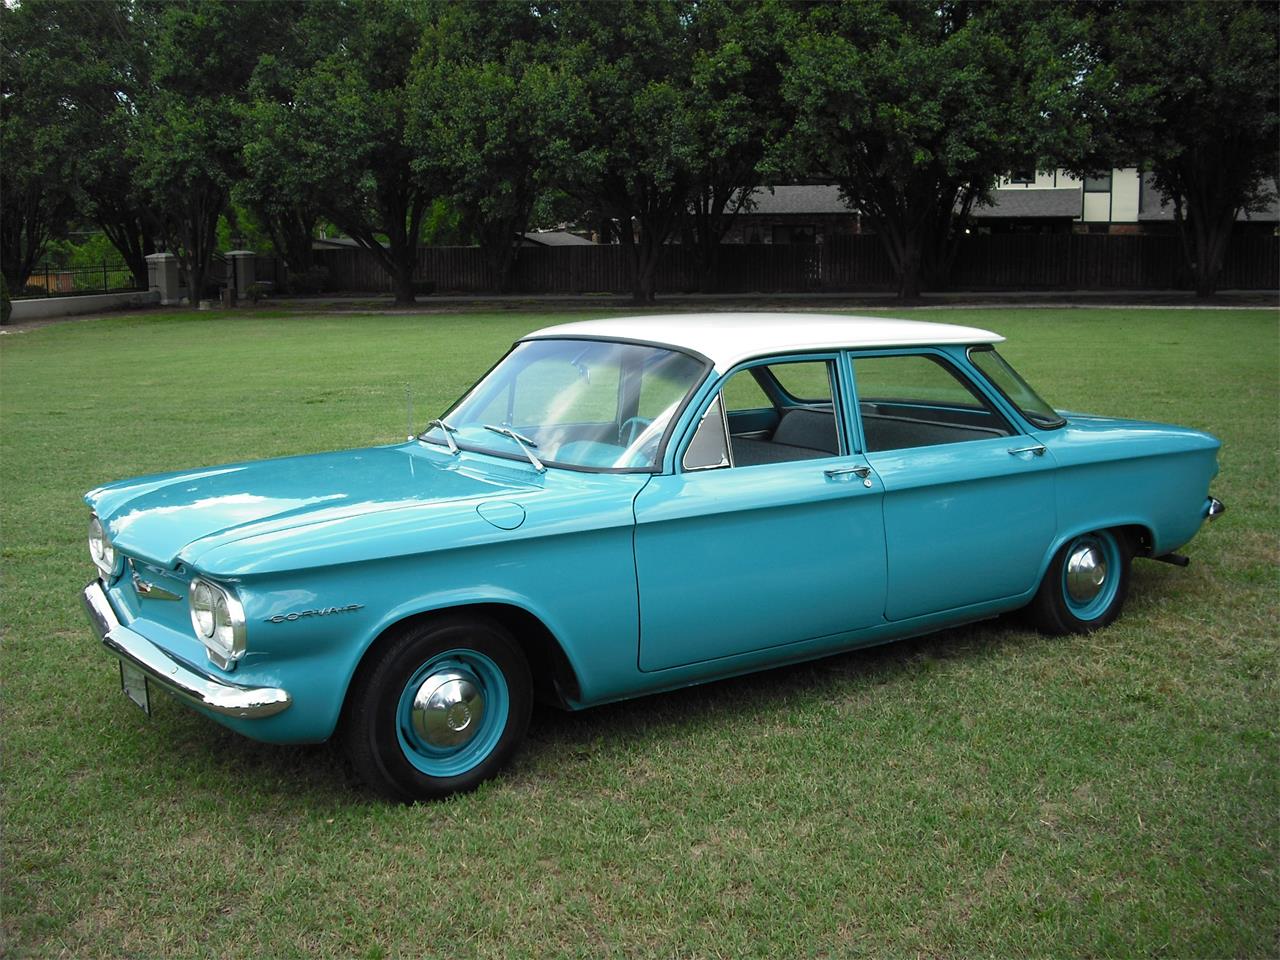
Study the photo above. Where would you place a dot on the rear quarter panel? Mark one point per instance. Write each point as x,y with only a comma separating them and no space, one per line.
1120,472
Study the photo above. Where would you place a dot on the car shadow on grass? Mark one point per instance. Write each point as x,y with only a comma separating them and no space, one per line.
318,775
208,756
830,677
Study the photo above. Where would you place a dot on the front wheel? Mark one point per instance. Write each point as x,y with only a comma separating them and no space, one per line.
440,711
1085,585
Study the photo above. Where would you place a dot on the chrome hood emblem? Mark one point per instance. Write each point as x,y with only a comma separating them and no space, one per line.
146,588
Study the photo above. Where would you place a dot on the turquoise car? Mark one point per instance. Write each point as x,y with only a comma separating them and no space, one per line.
625,506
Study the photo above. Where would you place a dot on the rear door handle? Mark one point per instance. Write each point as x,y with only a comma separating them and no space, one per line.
863,472
1036,450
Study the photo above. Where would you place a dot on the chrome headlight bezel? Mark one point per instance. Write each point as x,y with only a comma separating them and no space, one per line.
101,551
217,618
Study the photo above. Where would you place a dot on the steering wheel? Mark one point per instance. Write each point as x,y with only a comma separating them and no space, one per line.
630,427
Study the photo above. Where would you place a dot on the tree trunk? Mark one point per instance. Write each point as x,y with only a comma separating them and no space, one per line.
904,247
1211,250
497,243
24,238
910,268
504,269
295,247
1205,234
709,276
402,283
643,290
645,255
195,281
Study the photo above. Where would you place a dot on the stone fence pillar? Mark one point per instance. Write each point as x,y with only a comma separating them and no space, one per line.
162,273
241,264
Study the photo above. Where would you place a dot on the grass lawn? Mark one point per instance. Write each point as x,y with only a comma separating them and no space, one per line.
984,791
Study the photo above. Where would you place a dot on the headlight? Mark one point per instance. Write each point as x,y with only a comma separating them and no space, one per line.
103,553
218,620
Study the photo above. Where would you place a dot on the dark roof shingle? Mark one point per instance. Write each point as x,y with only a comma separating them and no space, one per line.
1062,203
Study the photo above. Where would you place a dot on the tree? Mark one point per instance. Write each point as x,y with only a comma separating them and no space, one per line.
91,62
335,133
625,120
191,117
1191,92
277,186
38,143
481,93
914,108
736,112
109,78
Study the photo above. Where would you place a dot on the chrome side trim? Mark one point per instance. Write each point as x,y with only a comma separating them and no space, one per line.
1214,509
184,680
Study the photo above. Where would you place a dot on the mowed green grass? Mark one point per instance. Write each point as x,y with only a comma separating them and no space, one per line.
983,791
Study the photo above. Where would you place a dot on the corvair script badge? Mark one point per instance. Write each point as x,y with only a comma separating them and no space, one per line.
318,612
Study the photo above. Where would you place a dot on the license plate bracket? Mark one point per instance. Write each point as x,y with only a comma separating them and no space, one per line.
134,684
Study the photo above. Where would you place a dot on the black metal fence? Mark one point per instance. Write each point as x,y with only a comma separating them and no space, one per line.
842,264
48,280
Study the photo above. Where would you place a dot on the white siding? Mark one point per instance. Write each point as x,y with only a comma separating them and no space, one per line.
1125,187
1097,207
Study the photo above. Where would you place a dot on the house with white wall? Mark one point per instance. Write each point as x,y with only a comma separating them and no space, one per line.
1054,201
1123,200
1120,201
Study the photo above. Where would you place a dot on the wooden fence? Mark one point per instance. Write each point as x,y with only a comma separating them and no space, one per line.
842,264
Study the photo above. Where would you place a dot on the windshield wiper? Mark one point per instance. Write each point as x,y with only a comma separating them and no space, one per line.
448,432
524,443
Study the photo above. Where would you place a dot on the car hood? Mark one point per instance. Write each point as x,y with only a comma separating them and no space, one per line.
175,516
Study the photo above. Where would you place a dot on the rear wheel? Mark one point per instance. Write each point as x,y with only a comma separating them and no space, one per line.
441,710
1085,586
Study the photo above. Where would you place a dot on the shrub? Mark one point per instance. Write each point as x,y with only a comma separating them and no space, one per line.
311,280
258,289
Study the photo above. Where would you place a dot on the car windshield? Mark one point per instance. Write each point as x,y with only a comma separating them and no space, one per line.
590,404
1016,390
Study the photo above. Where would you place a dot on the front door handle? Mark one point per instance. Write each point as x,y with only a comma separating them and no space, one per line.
1036,450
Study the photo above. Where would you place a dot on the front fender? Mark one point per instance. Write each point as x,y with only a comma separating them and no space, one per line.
579,585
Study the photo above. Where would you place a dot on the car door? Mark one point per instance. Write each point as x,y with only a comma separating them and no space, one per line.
769,531
969,509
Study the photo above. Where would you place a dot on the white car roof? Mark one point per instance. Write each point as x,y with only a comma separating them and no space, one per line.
730,338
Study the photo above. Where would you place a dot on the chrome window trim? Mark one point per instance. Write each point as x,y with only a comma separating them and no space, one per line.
831,359
1022,414
664,444
717,399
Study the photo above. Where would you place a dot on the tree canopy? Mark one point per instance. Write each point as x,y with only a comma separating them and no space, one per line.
646,121
1191,92
915,108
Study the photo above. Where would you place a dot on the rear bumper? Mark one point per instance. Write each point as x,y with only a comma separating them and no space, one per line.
184,680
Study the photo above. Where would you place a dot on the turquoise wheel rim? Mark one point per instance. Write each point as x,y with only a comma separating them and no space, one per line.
452,712
1091,575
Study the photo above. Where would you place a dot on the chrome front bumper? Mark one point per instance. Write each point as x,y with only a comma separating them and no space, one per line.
184,680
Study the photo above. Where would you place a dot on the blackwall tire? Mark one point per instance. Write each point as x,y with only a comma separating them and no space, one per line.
1086,584
441,710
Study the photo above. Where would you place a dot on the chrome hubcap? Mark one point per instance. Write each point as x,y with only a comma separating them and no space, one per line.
1086,572
448,708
